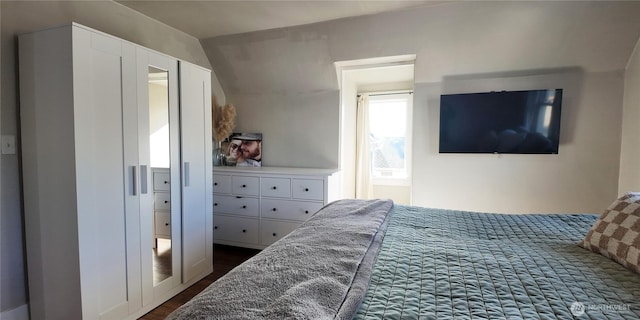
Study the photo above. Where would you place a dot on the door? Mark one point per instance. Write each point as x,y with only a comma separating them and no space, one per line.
106,174
158,144
197,189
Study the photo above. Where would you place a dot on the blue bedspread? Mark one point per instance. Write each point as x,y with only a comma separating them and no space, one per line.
441,264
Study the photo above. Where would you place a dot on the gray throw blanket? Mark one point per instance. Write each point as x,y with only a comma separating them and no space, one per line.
306,275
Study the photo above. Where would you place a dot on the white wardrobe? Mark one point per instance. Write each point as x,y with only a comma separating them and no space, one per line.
99,117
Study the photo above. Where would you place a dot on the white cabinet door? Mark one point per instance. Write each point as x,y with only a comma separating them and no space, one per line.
159,165
197,193
102,113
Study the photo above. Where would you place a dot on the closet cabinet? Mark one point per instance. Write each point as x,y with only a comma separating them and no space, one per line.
100,117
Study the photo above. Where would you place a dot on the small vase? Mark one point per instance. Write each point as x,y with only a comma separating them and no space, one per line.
219,156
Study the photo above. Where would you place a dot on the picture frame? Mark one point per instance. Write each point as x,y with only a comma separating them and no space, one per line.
242,150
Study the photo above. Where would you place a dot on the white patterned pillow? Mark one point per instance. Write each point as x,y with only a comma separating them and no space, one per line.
616,234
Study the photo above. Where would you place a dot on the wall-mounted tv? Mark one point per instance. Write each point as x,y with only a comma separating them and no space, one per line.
526,122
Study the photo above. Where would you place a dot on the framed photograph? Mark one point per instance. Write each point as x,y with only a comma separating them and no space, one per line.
243,150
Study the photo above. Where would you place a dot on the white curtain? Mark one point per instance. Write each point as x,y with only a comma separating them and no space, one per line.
364,188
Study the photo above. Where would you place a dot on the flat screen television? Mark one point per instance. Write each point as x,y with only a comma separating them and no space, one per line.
522,122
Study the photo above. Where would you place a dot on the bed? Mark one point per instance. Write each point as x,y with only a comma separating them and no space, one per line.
371,259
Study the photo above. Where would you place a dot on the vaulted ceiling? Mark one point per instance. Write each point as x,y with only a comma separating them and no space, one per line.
205,19
290,46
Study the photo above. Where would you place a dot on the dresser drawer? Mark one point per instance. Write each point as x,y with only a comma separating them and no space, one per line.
162,201
162,223
308,189
244,206
272,231
248,186
276,187
236,229
221,183
289,210
161,181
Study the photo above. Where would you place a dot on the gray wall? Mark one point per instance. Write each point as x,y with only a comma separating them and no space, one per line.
630,155
26,16
582,177
283,83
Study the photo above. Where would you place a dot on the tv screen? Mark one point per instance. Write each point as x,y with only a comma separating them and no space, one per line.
525,122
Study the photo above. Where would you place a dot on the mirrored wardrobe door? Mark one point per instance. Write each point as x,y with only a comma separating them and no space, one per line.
160,164
159,168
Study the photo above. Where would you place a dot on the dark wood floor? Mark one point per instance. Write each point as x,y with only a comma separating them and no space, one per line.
225,258
162,261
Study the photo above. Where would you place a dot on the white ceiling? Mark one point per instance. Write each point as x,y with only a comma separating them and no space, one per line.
210,18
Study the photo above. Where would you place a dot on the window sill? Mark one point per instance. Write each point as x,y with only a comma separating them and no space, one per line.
405,182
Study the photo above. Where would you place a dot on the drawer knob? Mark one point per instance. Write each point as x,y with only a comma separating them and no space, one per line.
274,209
244,230
166,201
244,185
244,207
274,234
274,188
166,182
166,223
306,212
215,228
306,189
215,204
215,183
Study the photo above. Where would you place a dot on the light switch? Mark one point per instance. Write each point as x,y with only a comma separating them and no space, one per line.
9,144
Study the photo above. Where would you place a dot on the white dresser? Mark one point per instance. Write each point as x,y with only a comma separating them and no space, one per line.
254,207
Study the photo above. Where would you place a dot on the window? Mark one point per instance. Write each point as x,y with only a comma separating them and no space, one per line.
390,137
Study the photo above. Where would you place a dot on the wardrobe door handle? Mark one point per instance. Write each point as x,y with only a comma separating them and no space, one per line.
143,179
134,181
186,174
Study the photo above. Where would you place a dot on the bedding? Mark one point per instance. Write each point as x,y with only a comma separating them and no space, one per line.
440,264
371,260
309,274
